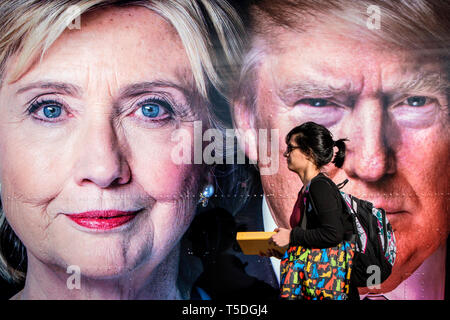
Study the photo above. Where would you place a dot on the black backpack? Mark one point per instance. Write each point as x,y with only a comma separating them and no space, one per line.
375,245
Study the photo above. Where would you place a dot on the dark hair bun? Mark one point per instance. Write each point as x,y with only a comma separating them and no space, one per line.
317,142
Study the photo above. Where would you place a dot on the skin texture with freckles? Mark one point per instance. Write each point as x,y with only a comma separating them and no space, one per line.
398,153
110,148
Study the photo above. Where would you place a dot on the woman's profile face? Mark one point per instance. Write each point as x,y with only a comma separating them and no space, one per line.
85,145
296,160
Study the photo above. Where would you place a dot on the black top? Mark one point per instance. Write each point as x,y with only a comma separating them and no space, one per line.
327,225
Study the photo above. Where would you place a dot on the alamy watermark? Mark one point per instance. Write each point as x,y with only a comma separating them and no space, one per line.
374,20
74,13
374,281
214,146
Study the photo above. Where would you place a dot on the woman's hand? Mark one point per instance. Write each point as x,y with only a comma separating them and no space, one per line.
282,237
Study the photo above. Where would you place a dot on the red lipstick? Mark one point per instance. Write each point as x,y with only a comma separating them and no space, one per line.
102,220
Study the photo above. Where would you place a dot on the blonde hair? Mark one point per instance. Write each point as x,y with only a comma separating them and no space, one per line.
31,27
209,30
420,26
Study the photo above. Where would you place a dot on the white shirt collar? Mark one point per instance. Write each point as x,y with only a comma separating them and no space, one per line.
270,225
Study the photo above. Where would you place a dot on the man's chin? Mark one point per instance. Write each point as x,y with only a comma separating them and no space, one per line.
105,264
387,286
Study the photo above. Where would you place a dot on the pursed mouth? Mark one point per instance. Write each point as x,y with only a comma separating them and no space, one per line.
391,206
395,212
394,216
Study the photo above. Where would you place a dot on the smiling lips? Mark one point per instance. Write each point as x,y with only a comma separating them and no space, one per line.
102,220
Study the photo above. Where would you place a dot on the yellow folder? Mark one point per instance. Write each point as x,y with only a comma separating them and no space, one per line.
256,242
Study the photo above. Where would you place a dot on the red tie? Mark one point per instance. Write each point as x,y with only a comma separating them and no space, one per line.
298,210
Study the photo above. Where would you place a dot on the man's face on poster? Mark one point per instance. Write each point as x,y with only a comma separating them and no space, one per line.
393,108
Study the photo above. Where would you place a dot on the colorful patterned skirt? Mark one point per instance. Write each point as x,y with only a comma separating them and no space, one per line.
316,274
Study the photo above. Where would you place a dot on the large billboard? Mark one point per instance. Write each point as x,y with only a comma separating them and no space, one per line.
138,137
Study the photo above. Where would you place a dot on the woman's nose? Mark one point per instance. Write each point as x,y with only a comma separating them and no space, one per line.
101,160
369,156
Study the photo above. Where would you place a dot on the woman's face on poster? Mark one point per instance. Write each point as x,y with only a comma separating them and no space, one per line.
85,150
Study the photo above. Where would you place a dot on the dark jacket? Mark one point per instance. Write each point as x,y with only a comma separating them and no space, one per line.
327,225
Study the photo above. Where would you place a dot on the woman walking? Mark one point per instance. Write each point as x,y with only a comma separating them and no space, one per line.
317,264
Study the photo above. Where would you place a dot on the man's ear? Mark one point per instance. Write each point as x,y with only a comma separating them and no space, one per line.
244,124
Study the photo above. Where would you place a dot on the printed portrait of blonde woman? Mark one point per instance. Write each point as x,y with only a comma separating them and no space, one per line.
91,94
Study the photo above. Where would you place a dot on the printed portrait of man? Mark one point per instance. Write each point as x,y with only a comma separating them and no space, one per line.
376,73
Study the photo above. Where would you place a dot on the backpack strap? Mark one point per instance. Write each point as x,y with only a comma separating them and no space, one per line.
311,202
385,230
342,184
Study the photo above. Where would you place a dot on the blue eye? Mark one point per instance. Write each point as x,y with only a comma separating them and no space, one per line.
52,111
155,110
150,110
316,102
416,101
48,111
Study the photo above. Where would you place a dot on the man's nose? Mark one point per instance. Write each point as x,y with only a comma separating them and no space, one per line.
101,160
368,157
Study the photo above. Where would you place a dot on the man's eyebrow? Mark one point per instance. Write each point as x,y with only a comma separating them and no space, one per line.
433,81
314,88
67,88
